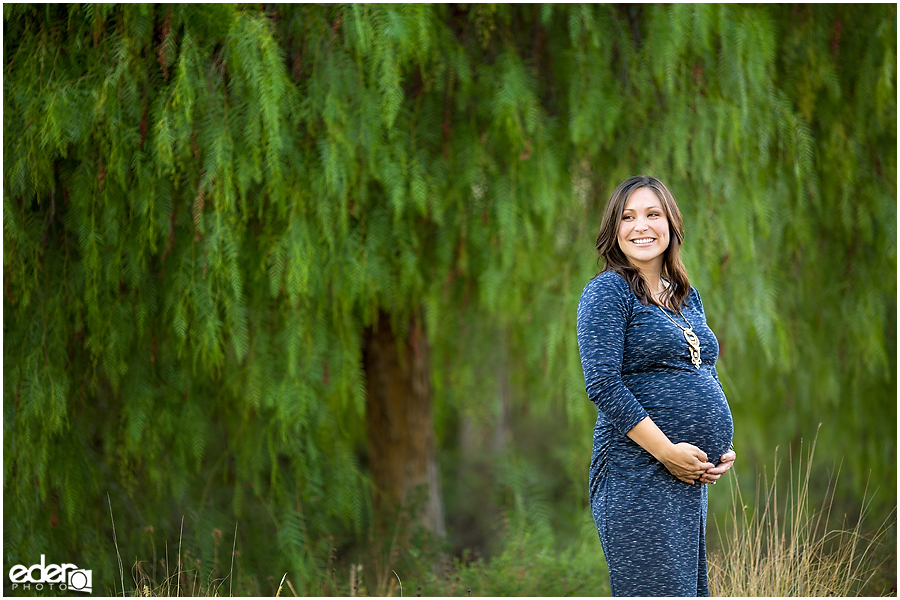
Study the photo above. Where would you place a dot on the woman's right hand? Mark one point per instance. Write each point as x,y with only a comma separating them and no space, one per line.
686,462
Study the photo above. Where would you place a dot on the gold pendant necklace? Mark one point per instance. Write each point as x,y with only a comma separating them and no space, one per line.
689,336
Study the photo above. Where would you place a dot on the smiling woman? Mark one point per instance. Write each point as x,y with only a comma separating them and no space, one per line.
664,426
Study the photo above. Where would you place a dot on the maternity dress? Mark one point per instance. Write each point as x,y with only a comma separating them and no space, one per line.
636,364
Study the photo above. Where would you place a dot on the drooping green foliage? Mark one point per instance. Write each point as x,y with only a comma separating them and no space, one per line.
204,205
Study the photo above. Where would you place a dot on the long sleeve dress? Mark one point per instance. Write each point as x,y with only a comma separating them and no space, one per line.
636,364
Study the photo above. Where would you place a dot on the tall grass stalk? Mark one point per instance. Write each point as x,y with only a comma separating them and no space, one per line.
791,550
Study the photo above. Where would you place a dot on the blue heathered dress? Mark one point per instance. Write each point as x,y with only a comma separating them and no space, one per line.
637,363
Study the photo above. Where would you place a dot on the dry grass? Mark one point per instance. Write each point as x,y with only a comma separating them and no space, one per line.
782,547
186,580
785,548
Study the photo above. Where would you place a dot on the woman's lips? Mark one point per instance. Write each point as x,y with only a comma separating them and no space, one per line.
643,241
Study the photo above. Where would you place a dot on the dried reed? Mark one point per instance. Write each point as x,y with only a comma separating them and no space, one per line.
793,552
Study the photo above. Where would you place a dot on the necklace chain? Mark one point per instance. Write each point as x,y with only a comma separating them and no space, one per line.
675,322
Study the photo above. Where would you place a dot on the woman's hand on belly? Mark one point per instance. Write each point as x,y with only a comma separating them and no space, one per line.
725,464
686,462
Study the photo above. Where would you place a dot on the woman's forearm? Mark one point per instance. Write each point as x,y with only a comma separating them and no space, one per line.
648,436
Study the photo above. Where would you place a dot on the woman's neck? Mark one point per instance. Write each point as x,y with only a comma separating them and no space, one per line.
653,279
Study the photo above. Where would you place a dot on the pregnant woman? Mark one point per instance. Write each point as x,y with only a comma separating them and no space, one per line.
664,427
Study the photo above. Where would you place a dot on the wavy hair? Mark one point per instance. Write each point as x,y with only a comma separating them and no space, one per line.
673,269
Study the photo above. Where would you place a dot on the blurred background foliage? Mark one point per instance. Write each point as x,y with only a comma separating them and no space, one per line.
205,206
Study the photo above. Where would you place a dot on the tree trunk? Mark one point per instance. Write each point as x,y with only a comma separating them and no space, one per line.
399,424
483,438
502,429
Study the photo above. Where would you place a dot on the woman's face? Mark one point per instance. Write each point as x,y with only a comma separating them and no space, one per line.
644,230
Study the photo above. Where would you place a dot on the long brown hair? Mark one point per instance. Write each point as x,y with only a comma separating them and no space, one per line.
673,269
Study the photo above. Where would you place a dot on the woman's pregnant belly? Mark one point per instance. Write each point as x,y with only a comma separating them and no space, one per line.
688,406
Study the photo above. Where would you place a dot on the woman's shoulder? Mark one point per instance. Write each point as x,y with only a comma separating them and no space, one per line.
605,296
605,284
694,298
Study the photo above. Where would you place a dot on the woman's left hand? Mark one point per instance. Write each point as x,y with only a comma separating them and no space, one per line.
725,463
